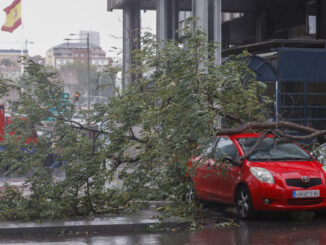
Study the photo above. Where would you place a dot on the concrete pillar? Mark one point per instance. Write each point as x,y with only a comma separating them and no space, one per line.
173,20
321,19
218,29
166,19
260,26
209,14
131,38
200,10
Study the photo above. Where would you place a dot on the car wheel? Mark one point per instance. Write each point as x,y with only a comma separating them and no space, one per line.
191,193
245,208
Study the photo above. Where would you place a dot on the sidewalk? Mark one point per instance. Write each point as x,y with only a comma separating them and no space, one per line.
142,221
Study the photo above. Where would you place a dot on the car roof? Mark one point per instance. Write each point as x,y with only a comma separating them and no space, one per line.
249,135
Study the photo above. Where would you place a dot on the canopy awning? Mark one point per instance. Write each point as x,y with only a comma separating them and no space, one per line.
302,65
264,71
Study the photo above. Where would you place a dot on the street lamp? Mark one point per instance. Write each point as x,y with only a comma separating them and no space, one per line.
22,67
88,67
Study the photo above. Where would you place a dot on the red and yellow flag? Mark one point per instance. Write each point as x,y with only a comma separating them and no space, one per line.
13,19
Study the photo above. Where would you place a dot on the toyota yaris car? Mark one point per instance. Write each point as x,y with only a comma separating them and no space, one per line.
278,175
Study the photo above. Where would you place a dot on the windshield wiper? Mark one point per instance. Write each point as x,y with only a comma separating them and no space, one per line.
279,159
291,158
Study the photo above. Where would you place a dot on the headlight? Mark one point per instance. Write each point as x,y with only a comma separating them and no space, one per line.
324,168
263,175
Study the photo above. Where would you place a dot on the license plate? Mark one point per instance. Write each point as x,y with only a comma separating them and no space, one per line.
310,193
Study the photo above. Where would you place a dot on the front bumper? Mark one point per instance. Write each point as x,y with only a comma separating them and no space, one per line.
280,197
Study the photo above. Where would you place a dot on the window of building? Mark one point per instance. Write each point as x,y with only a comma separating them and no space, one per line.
311,17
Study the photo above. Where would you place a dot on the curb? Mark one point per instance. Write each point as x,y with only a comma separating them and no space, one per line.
140,222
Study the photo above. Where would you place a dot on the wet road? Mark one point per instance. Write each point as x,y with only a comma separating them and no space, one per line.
246,233
275,228
271,228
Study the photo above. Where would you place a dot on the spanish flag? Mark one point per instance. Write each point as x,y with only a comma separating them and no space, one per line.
13,19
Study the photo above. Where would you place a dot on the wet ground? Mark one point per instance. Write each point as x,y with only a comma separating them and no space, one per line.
271,228
311,233
268,228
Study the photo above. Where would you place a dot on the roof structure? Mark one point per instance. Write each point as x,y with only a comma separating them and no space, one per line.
13,51
242,6
274,44
75,45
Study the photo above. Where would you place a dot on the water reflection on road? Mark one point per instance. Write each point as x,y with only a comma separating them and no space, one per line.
263,233
271,230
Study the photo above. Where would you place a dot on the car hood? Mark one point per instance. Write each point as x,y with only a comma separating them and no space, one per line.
288,166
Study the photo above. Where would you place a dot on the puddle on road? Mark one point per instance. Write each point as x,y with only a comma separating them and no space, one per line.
269,231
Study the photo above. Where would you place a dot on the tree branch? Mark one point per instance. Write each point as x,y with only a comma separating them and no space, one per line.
133,136
254,148
316,134
312,132
231,117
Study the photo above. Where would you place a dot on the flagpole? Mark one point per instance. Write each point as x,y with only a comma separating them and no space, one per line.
22,68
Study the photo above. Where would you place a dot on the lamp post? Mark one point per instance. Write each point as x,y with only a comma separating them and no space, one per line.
22,67
88,65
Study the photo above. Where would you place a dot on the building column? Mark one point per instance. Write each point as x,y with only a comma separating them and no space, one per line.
166,19
131,39
200,9
209,20
218,29
260,26
321,19
209,14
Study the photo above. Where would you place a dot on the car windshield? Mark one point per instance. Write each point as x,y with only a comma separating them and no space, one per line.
272,149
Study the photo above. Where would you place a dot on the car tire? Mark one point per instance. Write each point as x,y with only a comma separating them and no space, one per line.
245,209
191,196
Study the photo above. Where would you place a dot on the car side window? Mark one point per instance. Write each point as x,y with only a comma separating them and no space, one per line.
210,149
225,147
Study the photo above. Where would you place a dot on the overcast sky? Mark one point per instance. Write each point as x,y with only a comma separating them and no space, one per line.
47,22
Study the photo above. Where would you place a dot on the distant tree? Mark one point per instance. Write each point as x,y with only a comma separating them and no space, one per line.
100,81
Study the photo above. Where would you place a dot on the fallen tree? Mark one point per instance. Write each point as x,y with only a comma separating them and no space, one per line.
175,100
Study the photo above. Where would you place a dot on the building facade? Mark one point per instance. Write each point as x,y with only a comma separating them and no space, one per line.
66,53
94,37
286,39
71,60
10,67
38,59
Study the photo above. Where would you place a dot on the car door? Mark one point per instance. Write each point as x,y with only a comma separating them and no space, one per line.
198,169
222,178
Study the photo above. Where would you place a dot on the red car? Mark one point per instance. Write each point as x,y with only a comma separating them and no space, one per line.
278,175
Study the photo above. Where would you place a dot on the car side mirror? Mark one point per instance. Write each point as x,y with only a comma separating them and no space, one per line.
227,159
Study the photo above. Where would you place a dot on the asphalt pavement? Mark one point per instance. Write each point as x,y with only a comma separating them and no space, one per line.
141,221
